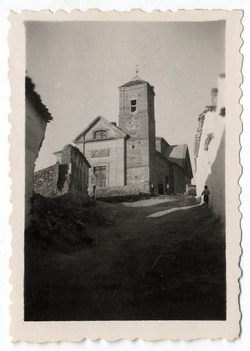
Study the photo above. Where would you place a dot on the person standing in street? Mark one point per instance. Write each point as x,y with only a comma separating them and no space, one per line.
205,195
93,183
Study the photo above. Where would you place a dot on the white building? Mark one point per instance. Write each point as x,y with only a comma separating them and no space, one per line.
209,150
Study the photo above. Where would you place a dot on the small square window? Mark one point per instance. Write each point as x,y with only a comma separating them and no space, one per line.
100,134
133,105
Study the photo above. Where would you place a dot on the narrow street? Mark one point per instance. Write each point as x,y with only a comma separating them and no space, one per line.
168,267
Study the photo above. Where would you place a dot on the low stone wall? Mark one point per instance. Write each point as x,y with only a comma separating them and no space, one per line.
118,191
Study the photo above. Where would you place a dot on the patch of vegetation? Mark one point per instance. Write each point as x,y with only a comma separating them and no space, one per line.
62,224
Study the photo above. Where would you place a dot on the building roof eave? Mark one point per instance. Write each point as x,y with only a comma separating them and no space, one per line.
36,101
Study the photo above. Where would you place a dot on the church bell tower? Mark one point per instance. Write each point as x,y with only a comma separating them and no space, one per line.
136,118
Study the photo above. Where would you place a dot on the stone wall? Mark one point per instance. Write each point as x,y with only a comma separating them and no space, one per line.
180,180
68,176
140,126
134,123
121,191
163,171
177,178
76,178
46,181
138,164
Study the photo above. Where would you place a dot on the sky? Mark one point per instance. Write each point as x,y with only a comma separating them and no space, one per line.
77,68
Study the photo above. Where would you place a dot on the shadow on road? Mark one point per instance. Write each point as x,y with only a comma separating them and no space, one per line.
137,268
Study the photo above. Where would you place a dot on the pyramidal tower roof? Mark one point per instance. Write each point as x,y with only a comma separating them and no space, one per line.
134,81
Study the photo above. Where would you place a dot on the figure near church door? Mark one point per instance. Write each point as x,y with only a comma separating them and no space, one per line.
160,188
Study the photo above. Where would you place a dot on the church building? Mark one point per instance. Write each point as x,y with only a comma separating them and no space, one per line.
127,158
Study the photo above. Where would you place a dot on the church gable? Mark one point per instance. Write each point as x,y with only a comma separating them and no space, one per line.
100,128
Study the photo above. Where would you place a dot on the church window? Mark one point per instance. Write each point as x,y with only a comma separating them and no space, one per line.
100,173
100,134
133,105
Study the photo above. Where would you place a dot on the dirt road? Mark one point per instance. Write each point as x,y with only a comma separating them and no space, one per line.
139,268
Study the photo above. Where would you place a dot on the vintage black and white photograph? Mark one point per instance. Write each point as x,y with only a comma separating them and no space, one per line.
125,171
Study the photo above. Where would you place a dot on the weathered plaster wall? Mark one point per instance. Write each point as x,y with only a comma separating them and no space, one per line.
108,153
211,155
138,164
35,127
